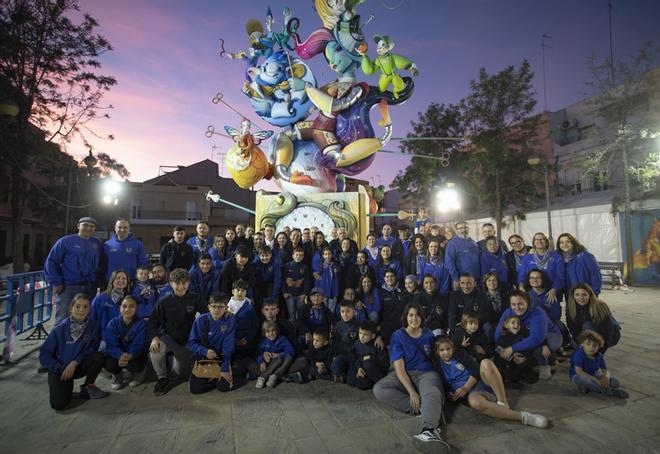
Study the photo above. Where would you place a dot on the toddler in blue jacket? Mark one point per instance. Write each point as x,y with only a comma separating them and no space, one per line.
274,355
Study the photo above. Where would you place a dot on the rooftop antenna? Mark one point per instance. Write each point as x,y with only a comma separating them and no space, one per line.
544,46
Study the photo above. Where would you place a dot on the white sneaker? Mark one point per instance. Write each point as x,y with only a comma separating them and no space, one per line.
261,382
429,435
534,420
117,382
272,381
545,372
137,379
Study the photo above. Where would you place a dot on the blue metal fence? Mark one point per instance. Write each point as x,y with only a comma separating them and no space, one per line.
27,305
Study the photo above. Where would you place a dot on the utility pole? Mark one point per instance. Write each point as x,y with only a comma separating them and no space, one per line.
544,46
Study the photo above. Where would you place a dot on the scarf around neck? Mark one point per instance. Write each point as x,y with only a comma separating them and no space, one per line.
77,327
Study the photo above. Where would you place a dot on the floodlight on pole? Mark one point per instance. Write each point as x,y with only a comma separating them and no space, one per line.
448,199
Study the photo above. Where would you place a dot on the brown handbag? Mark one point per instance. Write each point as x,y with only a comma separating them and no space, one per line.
207,368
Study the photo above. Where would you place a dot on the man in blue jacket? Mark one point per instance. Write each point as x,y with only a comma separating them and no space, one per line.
123,251
73,265
202,242
462,255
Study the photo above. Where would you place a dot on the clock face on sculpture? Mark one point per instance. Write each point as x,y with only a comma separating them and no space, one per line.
307,217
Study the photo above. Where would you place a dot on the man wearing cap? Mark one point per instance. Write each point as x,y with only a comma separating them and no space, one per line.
73,265
123,251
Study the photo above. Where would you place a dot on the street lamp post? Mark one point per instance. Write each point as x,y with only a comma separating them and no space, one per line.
90,162
534,162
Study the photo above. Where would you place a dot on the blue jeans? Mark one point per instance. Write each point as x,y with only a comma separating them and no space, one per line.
64,298
554,341
293,305
592,386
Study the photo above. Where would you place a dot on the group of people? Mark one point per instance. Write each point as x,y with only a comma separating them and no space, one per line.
415,317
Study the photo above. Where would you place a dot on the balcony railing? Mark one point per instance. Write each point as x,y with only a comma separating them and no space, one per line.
167,215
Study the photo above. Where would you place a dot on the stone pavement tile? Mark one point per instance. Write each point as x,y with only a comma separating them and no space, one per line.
260,405
156,442
354,413
505,443
466,424
280,446
311,445
297,418
206,409
106,422
214,438
98,446
646,381
262,432
650,445
32,431
151,419
602,433
641,417
379,438
321,417
339,443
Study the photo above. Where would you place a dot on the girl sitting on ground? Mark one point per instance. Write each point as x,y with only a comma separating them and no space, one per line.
481,384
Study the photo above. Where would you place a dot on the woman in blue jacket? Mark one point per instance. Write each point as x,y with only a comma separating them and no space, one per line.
105,306
542,258
581,265
125,345
434,265
213,337
493,260
537,322
71,351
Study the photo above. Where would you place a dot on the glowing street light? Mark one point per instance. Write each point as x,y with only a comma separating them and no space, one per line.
448,199
111,191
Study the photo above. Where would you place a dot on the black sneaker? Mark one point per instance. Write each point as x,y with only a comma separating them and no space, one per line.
161,386
296,377
92,392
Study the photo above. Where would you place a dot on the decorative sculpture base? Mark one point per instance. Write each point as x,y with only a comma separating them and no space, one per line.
325,211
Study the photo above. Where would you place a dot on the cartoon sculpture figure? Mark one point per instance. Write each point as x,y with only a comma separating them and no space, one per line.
387,62
316,154
246,162
270,94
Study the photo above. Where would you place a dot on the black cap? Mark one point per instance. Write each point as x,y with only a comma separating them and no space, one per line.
89,219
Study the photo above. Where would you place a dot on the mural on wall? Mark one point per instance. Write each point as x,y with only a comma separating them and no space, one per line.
646,246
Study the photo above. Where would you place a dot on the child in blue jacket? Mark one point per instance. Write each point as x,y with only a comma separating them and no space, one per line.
274,355
479,383
268,274
204,279
145,292
125,344
213,337
71,351
327,278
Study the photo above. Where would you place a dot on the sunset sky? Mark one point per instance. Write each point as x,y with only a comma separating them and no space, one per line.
166,60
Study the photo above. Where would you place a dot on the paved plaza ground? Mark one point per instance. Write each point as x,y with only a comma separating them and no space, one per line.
324,417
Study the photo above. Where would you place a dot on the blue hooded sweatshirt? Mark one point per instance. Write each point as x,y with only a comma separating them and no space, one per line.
197,251
219,338
280,345
121,338
582,268
104,310
463,256
74,261
535,320
554,268
124,255
204,284
60,349
495,263
439,271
